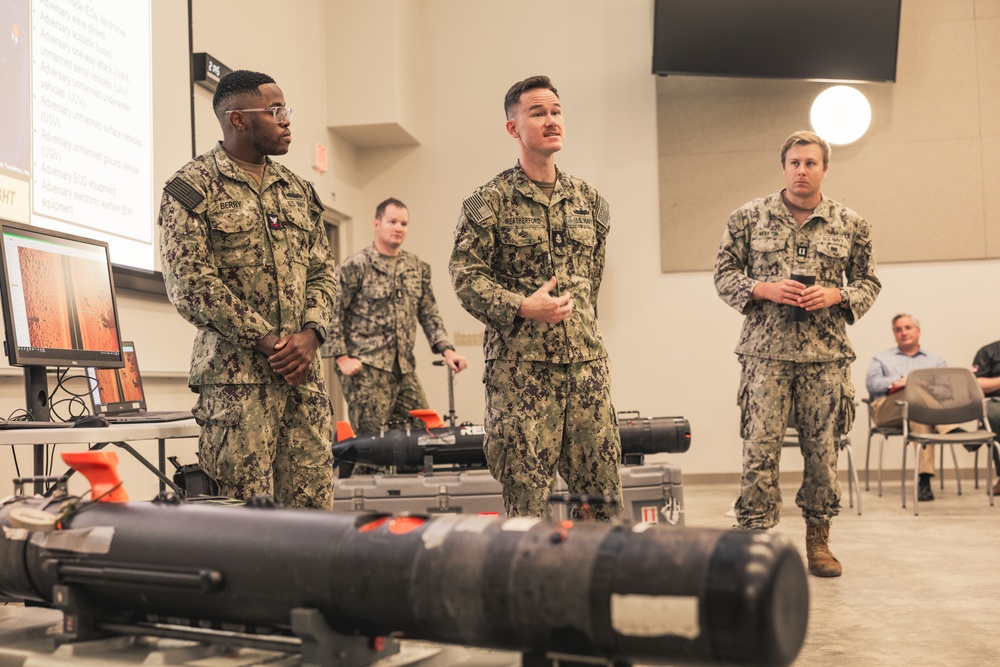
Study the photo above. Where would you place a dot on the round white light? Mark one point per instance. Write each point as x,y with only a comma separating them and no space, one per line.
841,114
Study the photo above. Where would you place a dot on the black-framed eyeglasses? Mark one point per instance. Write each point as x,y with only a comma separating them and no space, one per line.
281,114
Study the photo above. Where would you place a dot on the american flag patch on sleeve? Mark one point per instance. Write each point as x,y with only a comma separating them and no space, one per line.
476,209
603,211
184,193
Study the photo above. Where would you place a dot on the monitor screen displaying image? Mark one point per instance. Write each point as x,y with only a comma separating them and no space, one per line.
58,299
117,390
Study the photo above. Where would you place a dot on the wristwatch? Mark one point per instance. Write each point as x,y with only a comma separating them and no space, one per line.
845,299
318,329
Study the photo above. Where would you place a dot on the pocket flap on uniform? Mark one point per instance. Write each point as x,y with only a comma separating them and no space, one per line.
835,247
768,243
522,236
582,234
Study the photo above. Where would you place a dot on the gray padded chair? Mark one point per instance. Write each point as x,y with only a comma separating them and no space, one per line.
791,439
945,396
886,432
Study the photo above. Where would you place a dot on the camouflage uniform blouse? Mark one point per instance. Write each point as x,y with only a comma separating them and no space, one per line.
763,243
509,242
379,307
241,261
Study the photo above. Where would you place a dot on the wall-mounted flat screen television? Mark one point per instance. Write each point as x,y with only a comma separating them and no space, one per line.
823,40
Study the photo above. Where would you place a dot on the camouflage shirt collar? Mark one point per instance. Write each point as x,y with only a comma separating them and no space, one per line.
378,261
528,188
823,210
228,167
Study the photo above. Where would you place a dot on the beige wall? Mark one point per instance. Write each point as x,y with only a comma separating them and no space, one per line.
669,336
922,175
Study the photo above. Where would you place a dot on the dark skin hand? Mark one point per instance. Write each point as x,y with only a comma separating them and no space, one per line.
290,356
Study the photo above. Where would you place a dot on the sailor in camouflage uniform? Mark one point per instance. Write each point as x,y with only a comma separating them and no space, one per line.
528,261
384,292
246,260
802,363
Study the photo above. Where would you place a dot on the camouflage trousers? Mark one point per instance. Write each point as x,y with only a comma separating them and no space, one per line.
543,417
823,410
376,397
271,439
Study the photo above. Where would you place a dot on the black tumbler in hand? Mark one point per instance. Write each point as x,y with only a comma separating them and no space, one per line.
796,313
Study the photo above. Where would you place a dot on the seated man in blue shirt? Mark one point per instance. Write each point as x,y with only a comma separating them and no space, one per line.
887,375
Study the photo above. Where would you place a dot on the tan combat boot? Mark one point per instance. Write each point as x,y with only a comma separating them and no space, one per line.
821,560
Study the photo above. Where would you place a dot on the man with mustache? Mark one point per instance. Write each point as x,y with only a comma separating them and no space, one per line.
528,262
246,260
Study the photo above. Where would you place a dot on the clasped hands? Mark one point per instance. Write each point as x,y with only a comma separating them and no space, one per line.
290,356
794,293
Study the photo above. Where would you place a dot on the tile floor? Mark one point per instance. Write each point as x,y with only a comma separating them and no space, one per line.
916,590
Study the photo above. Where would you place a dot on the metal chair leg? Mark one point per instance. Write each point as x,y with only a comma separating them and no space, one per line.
941,466
881,444
841,446
852,475
902,475
868,451
975,467
958,473
851,489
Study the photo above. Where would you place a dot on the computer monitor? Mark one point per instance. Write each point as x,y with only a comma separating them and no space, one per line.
58,306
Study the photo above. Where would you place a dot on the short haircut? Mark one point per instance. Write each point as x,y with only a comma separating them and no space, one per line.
916,322
804,137
513,95
237,84
380,209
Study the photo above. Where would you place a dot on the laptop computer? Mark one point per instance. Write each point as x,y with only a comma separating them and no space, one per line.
118,395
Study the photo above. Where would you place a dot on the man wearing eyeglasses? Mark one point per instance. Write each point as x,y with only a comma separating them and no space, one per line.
246,260
383,292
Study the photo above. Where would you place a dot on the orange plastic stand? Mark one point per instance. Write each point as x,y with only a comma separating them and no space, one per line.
344,431
101,470
430,418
